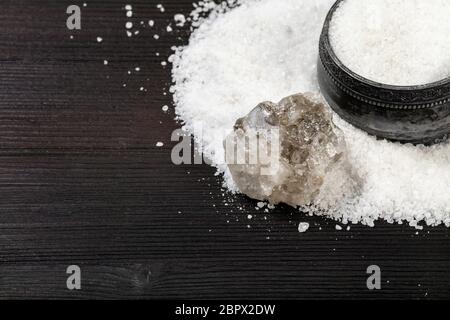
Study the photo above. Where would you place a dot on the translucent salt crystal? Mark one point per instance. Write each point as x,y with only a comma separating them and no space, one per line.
296,167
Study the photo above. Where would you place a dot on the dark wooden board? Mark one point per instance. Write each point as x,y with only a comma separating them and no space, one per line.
81,182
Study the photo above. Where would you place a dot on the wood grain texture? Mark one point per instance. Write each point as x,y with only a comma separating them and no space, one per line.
81,182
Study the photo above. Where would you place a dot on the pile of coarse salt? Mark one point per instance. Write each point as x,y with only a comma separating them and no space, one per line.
397,42
267,49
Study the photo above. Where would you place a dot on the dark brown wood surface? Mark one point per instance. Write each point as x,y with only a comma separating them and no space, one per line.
81,182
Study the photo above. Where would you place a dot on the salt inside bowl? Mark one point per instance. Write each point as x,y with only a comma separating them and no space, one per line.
384,67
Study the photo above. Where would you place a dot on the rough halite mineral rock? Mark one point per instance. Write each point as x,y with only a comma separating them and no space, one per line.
291,152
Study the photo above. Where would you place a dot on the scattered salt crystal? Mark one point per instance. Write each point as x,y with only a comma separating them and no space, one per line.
303,227
249,217
129,34
156,37
105,62
129,14
159,144
129,25
99,39
151,23
169,29
261,205
180,19
137,69
165,108
161,8
338,227
128,7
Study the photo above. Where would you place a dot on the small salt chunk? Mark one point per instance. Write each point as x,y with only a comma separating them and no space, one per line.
261,205
303,227
338,227
151,23
105,62
129,25
161,8
165,108
159,144
180,19
128,7
99,39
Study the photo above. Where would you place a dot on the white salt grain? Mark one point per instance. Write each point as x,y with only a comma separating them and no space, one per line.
129,25
159,144
180,19
303,227
99,39
398,42
261,205
266,50
161,7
